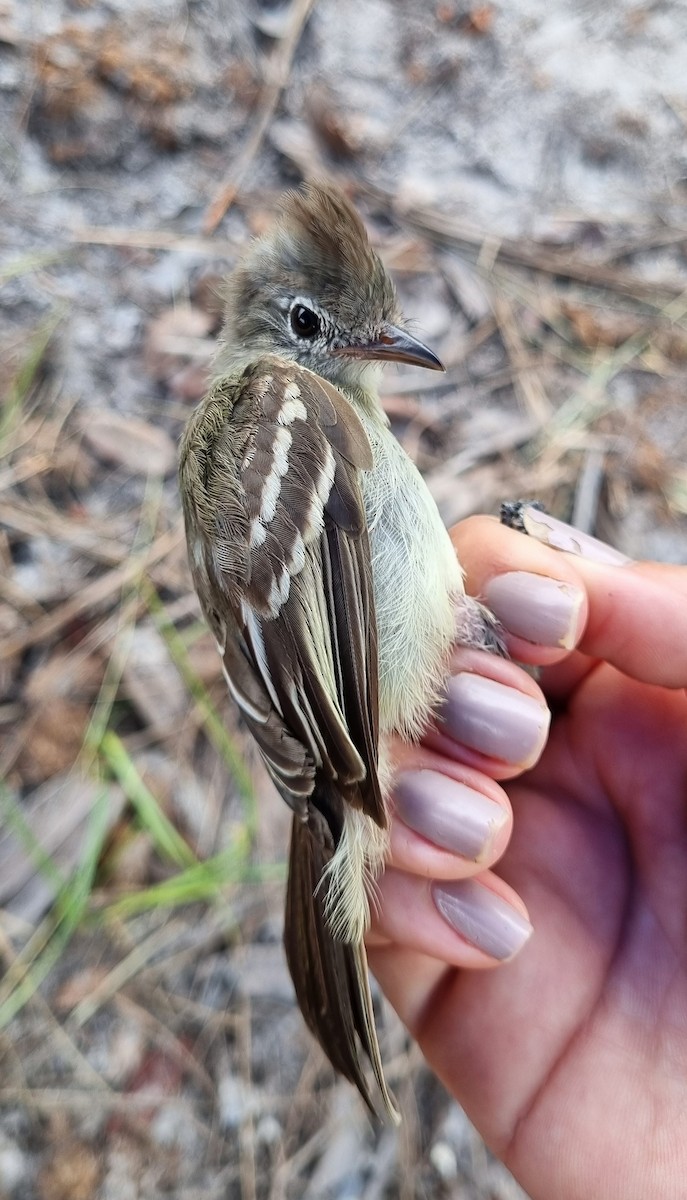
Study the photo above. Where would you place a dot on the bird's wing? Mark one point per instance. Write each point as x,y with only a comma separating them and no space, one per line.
281,560
280,555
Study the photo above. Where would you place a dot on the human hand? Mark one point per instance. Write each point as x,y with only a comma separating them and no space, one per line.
571,1057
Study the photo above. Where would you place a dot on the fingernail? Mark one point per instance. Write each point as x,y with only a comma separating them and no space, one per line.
482,917
495,719
448,813
537,608
560,536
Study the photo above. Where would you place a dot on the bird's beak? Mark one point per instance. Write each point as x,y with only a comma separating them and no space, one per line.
394,345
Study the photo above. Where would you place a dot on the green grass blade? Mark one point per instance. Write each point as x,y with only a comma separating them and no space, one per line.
15,819
24,379
48,943
28,263
168,841
214,725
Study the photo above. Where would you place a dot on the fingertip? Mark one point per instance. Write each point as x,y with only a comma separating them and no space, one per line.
468,923
485,919
547,614
536,593
501,723
443,827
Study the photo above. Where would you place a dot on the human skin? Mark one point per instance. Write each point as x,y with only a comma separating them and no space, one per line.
571,1056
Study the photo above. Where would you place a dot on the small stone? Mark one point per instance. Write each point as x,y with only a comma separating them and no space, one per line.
237,1102
443,1159
13,1167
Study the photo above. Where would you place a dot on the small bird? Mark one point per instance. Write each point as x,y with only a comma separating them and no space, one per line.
327,578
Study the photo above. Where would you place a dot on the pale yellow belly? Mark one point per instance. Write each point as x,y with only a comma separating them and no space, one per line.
416,580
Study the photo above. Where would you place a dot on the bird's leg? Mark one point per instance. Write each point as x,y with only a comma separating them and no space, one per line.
477,627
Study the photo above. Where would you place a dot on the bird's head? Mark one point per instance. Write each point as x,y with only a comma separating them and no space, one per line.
312,289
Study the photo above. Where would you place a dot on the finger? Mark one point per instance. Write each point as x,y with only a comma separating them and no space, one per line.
536,594
493,717
449,821
638,620
635,613
408,979
470,923
450,818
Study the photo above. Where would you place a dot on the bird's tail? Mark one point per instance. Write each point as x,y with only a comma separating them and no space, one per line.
330,976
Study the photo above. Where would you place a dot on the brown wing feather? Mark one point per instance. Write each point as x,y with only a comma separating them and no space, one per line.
280,555
281,563
330,977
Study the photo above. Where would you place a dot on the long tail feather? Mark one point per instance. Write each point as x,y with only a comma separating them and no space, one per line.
330,976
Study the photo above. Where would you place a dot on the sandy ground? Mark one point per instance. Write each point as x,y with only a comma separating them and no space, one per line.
523,169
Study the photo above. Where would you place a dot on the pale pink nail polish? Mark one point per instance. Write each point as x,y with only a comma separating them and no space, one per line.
448,813
539,609
497,720
484,919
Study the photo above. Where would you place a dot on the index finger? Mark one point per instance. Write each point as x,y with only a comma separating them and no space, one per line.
636,613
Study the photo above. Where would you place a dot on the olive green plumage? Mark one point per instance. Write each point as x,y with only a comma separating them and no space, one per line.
326,576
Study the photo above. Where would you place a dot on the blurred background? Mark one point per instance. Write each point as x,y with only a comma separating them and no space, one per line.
522,167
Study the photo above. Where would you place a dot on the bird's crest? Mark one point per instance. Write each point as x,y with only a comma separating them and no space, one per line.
317,250
325,222
319,228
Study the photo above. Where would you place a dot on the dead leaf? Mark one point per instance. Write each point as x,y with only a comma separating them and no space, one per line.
77,987
53,742
130,442
64,676
153,74
335,128
479,20
126,863
153,683
594,328
244,81
447,14
58,696
72,1172
177,336
94,81
9,35
673,343
159,1075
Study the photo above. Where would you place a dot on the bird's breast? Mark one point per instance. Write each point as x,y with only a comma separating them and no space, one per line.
416,580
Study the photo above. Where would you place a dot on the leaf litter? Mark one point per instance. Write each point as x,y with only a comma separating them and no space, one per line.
521,169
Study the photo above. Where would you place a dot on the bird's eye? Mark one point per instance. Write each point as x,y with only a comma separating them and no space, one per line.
304,321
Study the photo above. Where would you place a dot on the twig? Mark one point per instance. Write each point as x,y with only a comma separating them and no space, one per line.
167,1039
152,239
588,490
92,596
247,1173
279,66
451,231
43,521
37,464
83,1100
127,969
82,1067
528,386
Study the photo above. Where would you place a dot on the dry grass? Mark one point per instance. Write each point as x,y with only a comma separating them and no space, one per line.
117,922
147,1029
